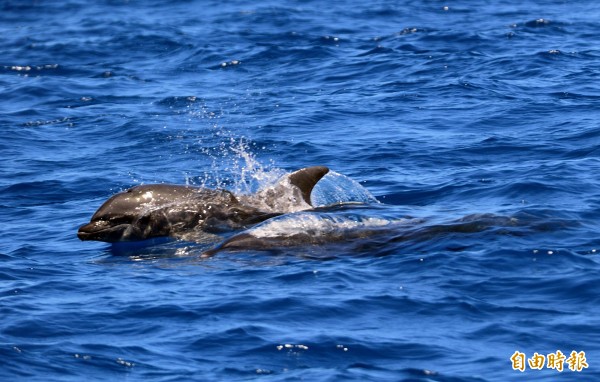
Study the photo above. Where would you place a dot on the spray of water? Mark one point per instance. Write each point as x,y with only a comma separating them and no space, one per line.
253,175
227,159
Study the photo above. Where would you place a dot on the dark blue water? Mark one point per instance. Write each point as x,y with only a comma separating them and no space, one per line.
441,109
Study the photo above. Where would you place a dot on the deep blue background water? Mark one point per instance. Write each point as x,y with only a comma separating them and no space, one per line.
444,112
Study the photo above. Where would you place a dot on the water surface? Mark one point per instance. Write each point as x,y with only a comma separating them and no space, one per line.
440,110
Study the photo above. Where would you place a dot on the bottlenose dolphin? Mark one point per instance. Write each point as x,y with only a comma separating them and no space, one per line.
319,226
323,226
160,210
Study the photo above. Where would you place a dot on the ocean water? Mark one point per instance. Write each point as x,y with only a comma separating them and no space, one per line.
479,119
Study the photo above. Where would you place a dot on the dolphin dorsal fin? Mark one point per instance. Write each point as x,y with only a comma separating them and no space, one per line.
306,178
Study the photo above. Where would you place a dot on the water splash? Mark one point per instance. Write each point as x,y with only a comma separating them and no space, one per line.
234,166
232,158
253,175
335,188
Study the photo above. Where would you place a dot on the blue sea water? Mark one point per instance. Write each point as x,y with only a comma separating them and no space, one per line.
441,109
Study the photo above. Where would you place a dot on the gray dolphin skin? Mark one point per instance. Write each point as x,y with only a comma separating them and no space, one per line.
308,228
162,210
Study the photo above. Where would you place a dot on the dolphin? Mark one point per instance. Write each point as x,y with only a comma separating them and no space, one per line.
168,210
321,226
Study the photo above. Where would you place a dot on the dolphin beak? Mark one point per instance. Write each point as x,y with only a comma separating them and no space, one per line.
101,230
89,231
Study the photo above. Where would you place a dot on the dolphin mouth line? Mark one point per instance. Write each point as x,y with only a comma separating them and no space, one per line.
91,231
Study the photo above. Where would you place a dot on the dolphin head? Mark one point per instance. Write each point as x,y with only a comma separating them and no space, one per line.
129,216
155,210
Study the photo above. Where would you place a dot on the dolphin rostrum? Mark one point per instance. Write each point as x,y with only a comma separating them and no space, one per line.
159,210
